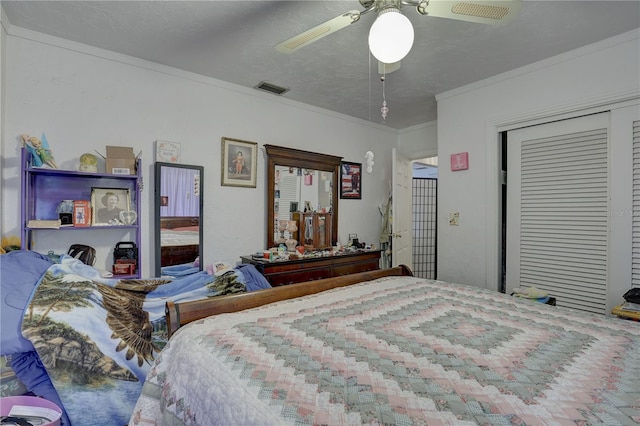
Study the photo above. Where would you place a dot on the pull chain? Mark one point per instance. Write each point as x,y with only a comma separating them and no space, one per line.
384,110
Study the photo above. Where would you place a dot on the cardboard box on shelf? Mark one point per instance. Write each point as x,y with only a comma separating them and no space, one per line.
120,160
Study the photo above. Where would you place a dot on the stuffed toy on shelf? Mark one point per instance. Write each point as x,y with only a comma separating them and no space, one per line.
40,151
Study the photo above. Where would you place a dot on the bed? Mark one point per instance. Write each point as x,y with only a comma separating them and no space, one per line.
390,349
180,239
81,340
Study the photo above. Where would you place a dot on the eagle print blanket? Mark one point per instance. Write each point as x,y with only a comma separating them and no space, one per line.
398,350
97,337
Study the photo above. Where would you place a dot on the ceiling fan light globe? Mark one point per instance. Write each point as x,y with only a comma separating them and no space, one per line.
390,36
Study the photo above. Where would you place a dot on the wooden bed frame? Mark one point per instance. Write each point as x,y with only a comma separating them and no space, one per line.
172,222
179,314
178,255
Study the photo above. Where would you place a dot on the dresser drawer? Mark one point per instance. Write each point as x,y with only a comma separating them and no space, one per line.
310,269
301,275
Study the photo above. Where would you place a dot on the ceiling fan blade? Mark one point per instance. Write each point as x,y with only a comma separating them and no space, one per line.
319,31
481,11
388,68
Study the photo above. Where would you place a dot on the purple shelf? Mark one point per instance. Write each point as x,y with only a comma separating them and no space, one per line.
69,173
84,228
43,189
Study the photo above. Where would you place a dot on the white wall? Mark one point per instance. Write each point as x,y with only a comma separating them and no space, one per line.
85,98
419,141
469,119
3,37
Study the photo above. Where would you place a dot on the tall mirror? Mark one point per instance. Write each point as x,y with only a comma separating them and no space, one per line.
178,211
295,177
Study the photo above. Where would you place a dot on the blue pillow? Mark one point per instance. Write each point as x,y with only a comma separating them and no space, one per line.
21,271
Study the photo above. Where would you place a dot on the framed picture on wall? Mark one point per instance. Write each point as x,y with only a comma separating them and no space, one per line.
239,163
351,180
168,152
106,205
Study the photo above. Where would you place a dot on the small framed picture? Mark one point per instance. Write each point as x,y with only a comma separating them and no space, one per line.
239,163
168,152
106,205
351,180
459,161
81,213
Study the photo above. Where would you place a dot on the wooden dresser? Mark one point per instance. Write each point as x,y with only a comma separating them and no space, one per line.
294,271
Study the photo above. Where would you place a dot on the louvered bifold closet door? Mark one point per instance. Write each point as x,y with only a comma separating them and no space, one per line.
562,240
635,236
289,187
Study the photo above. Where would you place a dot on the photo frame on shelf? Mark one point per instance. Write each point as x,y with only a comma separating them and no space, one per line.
81,213
107,204
239,163
350,180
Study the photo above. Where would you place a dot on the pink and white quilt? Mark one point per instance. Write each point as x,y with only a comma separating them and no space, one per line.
398,350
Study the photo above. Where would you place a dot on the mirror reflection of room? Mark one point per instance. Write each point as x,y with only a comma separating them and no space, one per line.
179,209
299,190
297,186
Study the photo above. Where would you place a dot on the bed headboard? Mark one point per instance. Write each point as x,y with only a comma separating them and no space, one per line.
172,222
179,314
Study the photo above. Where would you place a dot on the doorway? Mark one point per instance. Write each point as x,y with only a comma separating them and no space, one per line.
424,217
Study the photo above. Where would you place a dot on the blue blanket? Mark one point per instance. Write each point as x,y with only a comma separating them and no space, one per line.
20,270
97,337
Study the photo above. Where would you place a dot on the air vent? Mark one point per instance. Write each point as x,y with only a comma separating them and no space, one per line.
483,11
271,88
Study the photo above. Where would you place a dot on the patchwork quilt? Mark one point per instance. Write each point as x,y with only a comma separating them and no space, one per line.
398,350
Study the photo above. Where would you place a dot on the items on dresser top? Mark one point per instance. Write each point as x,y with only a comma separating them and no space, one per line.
323,264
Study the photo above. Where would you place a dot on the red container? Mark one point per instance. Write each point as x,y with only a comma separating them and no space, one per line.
122,268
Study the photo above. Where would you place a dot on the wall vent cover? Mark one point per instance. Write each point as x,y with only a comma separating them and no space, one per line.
271,88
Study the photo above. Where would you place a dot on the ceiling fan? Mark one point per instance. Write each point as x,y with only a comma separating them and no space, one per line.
391,35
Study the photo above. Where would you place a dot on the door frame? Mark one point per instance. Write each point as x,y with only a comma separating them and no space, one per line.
401,239
412,157
493,129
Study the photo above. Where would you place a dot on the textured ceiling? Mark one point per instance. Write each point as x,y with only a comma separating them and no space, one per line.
234,41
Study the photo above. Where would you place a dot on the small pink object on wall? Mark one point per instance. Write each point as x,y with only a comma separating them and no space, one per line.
459,161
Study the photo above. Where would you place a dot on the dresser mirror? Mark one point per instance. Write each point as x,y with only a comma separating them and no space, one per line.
297,182
178,214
